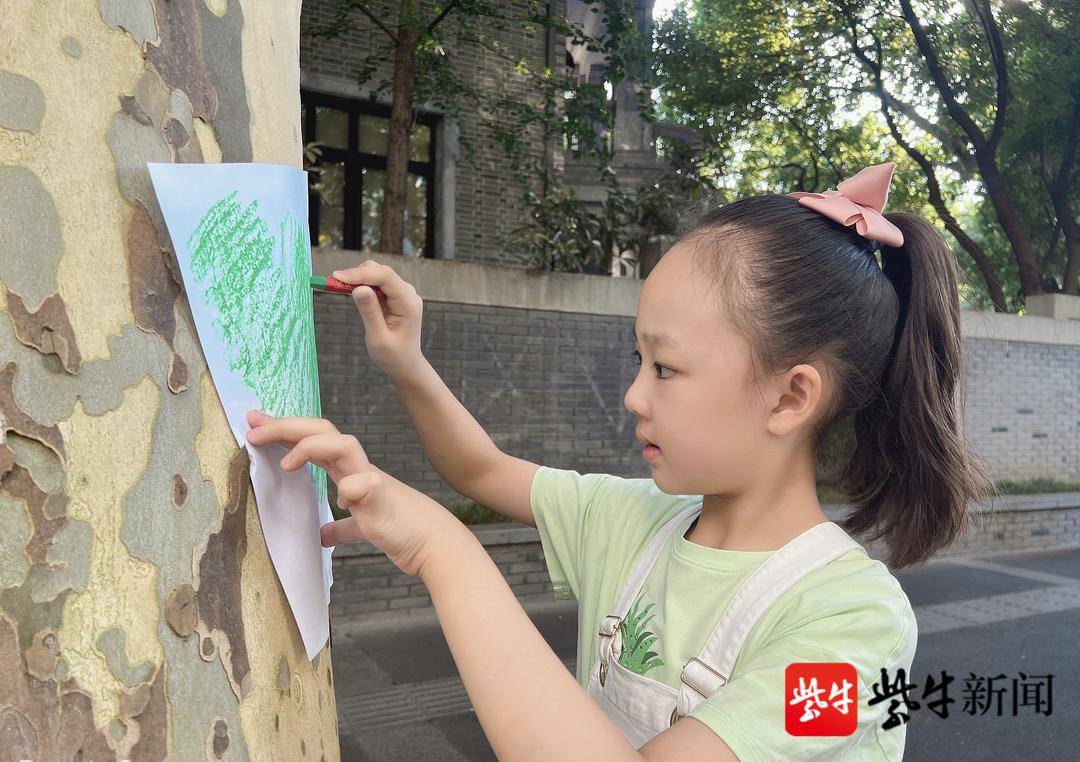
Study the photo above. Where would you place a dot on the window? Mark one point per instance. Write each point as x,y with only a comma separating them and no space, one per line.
352,174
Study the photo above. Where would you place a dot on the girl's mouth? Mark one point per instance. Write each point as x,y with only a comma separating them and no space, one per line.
651,452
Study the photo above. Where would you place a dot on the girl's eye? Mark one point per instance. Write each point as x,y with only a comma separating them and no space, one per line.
658,366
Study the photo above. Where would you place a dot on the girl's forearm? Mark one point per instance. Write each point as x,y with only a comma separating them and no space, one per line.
528,704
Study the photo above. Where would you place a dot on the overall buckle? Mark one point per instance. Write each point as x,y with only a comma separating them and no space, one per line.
723,679
609,625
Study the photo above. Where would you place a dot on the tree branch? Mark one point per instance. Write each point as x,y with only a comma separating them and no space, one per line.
938,130
449,7
937,200
1068,157
805,134
363,9
965,162
1059,194
933,64
997,53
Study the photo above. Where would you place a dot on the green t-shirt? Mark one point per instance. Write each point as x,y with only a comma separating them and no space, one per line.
594,526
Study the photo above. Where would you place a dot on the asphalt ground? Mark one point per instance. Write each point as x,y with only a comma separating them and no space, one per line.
1010,617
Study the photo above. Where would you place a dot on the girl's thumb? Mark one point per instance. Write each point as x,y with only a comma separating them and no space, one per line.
367,304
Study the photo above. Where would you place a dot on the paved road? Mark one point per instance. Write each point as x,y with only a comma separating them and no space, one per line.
400,698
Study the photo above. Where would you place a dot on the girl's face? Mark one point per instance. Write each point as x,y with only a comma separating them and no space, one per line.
691,395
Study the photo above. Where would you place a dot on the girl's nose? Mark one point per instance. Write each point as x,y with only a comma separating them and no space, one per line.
633,402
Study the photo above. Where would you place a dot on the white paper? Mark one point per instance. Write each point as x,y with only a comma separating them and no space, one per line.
241,237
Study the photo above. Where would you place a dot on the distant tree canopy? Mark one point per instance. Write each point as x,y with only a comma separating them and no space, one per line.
978,103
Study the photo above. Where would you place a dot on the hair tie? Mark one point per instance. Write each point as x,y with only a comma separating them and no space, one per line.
859,201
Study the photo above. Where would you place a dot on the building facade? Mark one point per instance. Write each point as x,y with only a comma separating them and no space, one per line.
462,200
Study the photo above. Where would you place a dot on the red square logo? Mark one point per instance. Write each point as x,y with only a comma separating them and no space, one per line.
821,699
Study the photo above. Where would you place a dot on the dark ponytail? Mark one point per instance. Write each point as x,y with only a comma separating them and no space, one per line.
912,473
799,286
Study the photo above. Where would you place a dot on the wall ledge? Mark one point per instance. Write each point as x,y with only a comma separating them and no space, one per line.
458,282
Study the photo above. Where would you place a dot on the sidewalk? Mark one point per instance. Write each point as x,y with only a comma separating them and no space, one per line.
400,698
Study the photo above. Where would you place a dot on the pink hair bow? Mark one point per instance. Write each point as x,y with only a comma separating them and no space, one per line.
859,200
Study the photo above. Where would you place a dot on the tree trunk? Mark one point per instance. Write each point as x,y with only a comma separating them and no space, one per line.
140,616
1012,225
392,225
1059,194
982,262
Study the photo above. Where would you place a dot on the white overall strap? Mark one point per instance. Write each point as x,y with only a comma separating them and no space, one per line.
811,550
640,572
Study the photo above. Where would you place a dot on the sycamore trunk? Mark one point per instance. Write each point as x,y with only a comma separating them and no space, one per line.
140,616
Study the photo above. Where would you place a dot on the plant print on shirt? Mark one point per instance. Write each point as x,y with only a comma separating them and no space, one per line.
636,655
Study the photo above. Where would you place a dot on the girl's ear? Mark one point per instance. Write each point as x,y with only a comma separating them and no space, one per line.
796,399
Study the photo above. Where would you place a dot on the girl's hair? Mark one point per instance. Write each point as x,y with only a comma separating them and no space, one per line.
798,286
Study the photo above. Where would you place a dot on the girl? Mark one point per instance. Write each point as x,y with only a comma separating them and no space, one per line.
766,324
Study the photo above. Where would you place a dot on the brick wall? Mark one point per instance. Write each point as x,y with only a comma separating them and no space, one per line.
1023,407
486,198
545,386
548,387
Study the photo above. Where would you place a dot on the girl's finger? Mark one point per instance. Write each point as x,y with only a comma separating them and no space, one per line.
288,431
352,491
372,273
337,453
357,487
337,532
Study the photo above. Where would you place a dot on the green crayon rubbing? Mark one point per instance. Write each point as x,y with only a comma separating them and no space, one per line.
262,292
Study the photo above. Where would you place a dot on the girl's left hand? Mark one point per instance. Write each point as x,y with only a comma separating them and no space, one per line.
396,518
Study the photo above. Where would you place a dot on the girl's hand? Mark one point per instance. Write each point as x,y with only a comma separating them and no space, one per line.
391,332
391,515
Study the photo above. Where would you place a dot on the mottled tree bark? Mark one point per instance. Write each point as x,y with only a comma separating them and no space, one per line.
140,616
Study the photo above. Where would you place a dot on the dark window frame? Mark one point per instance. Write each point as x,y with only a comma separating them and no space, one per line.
355,161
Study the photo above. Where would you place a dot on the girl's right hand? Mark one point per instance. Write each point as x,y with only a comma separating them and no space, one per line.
391,331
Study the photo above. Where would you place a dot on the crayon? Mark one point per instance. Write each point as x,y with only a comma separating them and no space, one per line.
333,285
